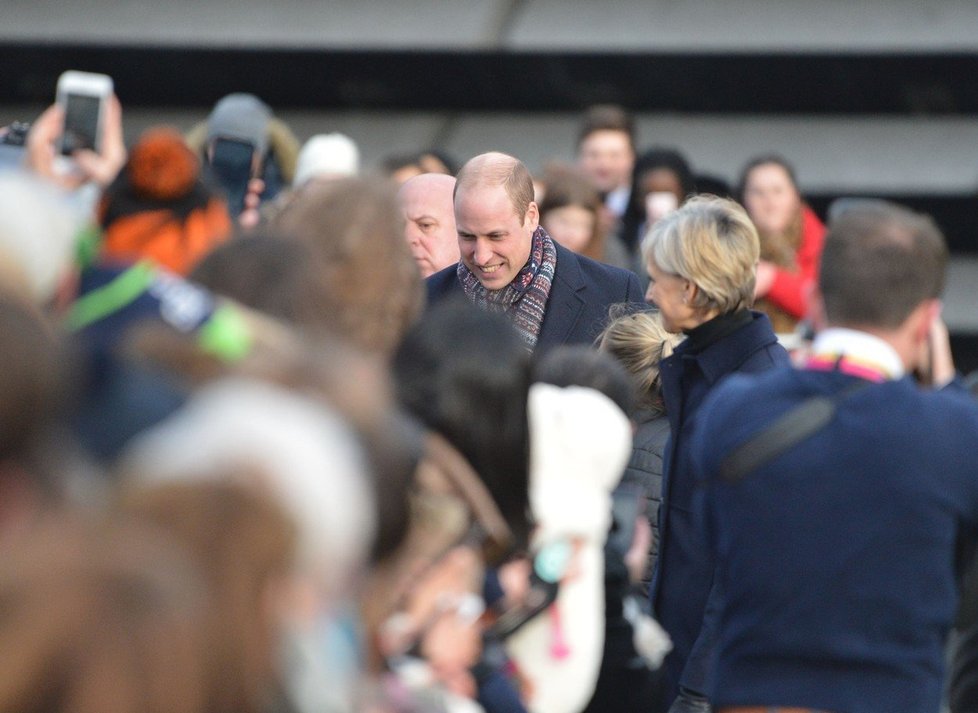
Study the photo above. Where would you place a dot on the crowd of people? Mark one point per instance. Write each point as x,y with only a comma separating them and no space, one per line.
280,433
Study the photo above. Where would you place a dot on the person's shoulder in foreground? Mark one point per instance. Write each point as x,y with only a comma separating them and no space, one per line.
746,403
846,604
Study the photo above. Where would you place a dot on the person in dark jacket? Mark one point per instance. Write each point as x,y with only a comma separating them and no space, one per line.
837,555
509,264
701,260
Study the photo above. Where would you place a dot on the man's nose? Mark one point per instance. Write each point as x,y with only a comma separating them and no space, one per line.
482,253
412,234
648,294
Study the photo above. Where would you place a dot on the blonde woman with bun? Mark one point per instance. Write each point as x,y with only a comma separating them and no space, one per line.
639,341
701,260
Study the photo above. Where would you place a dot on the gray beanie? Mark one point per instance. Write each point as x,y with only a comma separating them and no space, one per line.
242,117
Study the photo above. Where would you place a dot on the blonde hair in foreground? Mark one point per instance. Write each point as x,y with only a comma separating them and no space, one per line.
639,341
712,243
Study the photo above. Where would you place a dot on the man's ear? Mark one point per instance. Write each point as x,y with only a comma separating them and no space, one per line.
532,216
924,317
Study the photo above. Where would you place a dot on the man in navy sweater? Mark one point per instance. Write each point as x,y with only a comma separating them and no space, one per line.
836,553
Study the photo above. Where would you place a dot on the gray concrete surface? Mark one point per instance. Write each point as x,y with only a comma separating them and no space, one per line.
618,25
961,296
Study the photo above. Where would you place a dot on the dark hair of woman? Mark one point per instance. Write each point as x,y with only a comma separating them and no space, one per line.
582,365
465,374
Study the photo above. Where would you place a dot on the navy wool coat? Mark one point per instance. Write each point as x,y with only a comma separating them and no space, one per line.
580,295
682,587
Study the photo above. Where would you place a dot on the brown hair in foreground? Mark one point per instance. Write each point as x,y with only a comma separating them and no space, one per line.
244,543
99,618
367,281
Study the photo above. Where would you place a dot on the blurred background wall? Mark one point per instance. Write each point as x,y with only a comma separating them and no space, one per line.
865,97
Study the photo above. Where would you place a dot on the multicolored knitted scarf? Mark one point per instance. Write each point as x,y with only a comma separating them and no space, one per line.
524,300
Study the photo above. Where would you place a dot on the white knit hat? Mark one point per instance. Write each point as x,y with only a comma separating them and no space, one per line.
580,442
327,155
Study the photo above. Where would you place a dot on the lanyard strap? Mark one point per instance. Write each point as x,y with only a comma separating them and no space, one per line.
791,428
863,368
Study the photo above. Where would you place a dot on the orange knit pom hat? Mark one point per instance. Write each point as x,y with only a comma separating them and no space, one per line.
159,209
162,166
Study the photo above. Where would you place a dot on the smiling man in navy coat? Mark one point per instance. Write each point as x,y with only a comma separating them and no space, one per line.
510,264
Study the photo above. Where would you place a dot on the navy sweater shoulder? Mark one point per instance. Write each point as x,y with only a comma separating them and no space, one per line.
835,561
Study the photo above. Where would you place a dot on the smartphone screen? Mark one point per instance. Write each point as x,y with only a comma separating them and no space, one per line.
232,163
81,123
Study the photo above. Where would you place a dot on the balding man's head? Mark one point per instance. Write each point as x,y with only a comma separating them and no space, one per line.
495,217
499,169
437,185
880,262
429,215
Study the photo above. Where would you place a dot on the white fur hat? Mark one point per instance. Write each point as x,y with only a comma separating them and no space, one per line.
580,442
309,458
327,155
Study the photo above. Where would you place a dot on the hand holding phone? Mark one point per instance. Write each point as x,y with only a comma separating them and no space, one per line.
46,141
104,165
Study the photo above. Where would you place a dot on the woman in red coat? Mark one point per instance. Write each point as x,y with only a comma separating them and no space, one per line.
791,240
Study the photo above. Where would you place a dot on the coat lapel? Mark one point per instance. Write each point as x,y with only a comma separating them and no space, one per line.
566,301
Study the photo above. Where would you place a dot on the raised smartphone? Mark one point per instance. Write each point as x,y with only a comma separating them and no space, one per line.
234,163
82,97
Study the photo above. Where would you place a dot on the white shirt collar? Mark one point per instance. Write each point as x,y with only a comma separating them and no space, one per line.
859,346
617,200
